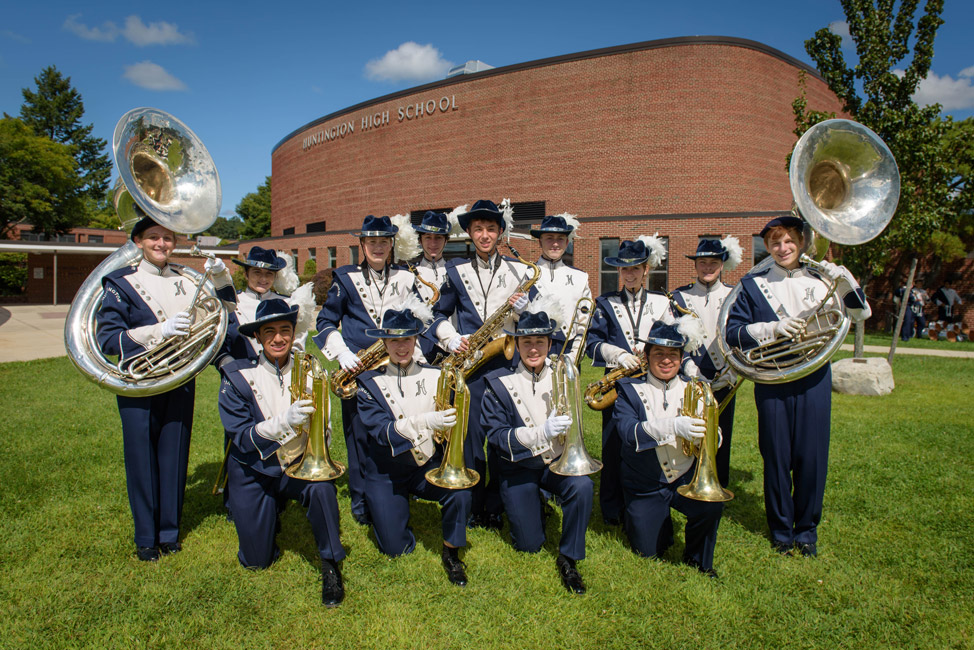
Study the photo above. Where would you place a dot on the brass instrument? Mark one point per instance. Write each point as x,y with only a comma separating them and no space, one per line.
699,402
344,382
316,464
453,473
846,185
567,398
481,345
584,309
165,173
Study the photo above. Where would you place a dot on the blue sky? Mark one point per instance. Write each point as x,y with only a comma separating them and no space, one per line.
244,74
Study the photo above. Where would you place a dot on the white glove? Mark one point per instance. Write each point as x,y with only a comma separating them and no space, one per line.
299,413
520,303
178,325
214,265
788,327
831,271
689,428
726,378
628,361
454,343
441,420
348,360
556,425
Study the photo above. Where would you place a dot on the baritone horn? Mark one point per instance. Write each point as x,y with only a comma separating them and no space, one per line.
699,402
453,473
316,464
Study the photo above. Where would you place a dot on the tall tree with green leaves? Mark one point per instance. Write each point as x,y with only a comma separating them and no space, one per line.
38,182
55,109
255,210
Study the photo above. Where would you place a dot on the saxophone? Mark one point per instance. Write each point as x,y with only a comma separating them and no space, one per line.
481,345
344,383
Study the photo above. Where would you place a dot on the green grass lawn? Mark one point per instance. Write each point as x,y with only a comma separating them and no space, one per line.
884,339
896,546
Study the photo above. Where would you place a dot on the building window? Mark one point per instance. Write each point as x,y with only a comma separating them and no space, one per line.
608,275
317,226
39,236
333,257
313,254
96,239
658,277
288,231
352,254
294,259
758,249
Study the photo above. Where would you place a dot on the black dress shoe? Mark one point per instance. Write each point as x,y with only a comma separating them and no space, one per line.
332,589
612,521
710,573
168,548
569,575
808,550
782,548
494,522
484,520
147,553
454,566
362,518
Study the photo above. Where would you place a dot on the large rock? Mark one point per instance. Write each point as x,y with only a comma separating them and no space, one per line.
869,376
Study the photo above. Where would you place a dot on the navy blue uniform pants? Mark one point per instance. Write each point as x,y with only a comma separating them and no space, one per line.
648,504
610,485
255,499
155,438
520,488
726,424
486,494
388,485
355,445
794,422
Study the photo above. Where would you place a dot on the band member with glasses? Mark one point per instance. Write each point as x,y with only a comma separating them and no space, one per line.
267,433
358,297
793,417
527,431
398,410
141,307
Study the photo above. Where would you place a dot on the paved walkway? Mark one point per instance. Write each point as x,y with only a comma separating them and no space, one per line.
37,332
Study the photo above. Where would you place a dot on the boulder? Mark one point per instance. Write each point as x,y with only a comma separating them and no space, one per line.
869,376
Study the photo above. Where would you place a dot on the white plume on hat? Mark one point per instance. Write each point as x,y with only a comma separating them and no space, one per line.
304,298
551,305
407,240
571,220
735,252
417,307
286,280
454,219
507,211
657,251
692,328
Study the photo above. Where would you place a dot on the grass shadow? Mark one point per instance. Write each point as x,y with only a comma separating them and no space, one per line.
746,508
199,502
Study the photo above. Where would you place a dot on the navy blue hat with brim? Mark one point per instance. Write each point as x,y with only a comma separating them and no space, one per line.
397,324
631,253
784,222
377,227
434,223
262,258
141,226
533,324
667,336
710,248
482,209
556,225
269,311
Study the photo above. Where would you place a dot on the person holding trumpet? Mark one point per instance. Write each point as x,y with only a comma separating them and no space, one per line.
268,432
398,411
142,307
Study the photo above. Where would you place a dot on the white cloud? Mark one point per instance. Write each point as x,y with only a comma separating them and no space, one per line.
107,33
409,62
841,28
161,33
14,36
152,76
952,94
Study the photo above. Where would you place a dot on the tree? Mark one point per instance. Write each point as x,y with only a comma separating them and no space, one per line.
255,210
225,228
38,182
55,111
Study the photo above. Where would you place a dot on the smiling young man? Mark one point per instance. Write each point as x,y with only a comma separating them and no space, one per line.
526,430
267,433
141,307
794,417
397,409
474,290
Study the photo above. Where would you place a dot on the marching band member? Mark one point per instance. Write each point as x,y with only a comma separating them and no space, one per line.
397,410
358,296
557,278
141,307
473,291
622,319
654,463
524,426
705,296
260,269
434,233
793,417
264,429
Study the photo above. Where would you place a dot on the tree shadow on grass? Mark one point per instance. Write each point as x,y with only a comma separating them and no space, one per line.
199,502
746,508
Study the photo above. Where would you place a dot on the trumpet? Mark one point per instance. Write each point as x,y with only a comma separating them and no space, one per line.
316,463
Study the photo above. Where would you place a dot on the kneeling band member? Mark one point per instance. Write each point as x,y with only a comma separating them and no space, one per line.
524,426
654,464
264,429
397,409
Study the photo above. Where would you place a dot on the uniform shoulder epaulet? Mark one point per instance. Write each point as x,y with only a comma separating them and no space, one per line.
457,261
237,365
760,273
685,287
122,272
500,372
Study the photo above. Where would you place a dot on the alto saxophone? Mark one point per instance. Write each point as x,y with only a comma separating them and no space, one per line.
344,382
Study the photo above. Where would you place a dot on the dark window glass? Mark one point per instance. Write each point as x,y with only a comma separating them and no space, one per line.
758,249
317,226
608,275
288,231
